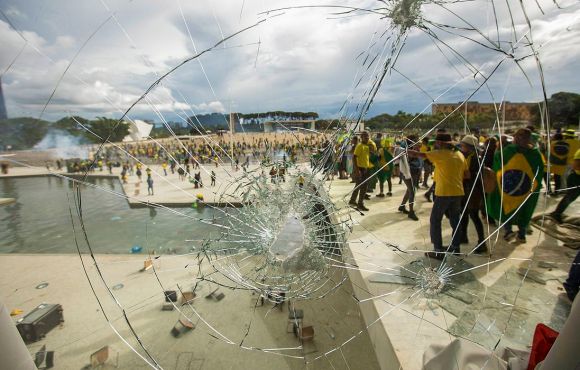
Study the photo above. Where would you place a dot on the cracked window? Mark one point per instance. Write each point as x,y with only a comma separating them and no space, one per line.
155,190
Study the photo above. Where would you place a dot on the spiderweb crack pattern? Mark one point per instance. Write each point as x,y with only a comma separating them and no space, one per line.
334,249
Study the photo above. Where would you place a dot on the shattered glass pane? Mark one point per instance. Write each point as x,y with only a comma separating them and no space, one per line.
198,242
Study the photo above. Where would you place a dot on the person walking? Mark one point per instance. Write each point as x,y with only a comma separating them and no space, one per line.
405,169
212,177
149,185
519,169
450,171
361,170
474,194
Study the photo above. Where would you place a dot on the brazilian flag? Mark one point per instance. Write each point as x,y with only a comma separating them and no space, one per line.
387,170
519,173
559,152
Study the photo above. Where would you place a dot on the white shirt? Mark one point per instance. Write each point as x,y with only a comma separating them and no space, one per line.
403,162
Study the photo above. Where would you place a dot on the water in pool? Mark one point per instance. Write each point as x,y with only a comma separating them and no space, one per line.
40,222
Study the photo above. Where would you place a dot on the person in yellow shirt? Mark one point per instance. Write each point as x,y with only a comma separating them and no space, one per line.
451,170
362,168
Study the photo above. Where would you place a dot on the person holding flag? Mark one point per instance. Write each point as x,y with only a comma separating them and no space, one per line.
519,169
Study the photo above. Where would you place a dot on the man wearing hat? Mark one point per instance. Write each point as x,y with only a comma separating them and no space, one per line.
451,169
474,194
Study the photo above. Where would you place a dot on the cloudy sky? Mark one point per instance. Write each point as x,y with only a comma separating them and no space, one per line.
97,57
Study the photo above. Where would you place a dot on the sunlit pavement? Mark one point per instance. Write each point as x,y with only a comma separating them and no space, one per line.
487,299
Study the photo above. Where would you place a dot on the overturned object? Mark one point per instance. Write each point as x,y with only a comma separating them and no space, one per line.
170,296
215,295
34,326
182,326
100,357
187,297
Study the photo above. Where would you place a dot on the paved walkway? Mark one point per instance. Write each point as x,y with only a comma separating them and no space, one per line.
85,330
488,299
168,190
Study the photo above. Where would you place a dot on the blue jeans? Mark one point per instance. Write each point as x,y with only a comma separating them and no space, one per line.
450,206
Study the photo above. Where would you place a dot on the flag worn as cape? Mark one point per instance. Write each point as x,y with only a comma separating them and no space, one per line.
519,175
559,152
387,170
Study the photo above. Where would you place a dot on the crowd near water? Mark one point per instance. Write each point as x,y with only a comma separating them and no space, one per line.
471,178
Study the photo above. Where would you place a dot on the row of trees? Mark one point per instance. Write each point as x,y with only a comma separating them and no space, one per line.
25,132
95,131
402,120
564,109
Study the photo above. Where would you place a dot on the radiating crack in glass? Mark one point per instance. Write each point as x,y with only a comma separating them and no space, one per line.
291,241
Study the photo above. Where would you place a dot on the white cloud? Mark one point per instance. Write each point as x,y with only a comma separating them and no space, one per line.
211,107
307,60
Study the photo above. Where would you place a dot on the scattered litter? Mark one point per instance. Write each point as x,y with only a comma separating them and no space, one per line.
115,218
16,312
44,356
170,296
41,285
36,324
147,265
182,326
100,357
136,249
187,297
215,295
118,286
167,307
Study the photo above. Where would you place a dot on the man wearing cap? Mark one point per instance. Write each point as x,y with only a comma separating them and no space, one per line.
361,169
450,171
474,194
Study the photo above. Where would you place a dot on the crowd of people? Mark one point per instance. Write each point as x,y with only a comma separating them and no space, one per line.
241,150
476,178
